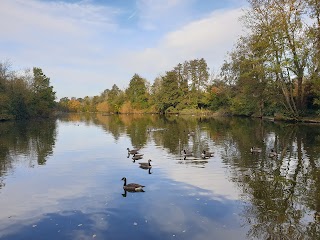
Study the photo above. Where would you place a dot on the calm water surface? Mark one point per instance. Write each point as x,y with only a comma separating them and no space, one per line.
61,179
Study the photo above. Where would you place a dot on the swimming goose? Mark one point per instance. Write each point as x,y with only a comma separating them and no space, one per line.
206,154
132,187
132,151
272,153
146,165
255,150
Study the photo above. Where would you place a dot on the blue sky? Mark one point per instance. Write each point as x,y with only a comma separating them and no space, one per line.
87,46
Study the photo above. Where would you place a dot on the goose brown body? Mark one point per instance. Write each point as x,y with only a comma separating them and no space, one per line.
146,165
132,151
132,187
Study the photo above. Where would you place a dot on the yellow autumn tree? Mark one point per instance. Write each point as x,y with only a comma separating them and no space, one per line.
103,107
74,105
126,107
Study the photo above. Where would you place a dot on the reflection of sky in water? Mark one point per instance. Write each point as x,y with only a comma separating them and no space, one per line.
77,194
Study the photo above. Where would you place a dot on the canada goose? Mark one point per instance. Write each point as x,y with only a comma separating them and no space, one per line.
272,153
206,154
146,165
255,150
132,151
132,187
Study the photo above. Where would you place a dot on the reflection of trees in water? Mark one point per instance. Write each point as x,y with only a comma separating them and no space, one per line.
28,140
171,132
283,192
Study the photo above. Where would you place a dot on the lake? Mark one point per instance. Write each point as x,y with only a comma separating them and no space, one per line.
61,178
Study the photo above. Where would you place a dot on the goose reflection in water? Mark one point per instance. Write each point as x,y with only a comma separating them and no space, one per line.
206,154
124,194
149,170
136,158
186,153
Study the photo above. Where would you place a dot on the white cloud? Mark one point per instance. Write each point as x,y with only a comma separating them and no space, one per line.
211,38
153,12
53,19
92,46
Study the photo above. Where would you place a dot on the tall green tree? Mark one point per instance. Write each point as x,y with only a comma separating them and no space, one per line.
274,55
114,97
63,104
20,94
43,96
156,91
248,70
182,71
314,60
170,92
288,44
4,97
193,77
137,92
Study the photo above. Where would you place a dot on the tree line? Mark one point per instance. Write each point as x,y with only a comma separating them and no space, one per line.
184,87
273,69
25,95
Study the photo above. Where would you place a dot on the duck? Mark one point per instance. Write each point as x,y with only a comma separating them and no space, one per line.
132,187
146,165
255,150
132,151
272,153
206,154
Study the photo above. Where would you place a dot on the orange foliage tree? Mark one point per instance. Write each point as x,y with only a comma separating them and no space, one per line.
74,105
103,107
